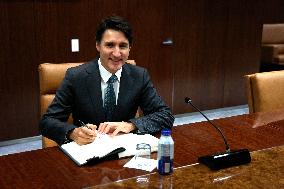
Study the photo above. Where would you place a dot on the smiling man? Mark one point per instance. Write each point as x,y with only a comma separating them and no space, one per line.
105,93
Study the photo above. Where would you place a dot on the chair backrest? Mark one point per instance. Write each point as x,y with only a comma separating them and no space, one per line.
272,45
265,91
273,34
50,77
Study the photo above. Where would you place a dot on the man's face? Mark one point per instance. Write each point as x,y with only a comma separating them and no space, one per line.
114,50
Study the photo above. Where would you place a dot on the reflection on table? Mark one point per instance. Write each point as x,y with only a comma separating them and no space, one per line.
265,171
51,168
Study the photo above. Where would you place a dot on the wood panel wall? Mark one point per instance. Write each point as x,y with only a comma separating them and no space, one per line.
214,44
18,70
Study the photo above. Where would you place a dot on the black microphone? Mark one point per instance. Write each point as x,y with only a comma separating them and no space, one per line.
222,160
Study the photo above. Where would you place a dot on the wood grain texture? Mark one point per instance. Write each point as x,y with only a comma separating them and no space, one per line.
220,45
242,44
215,43
51,168
260,173
152,24
18,73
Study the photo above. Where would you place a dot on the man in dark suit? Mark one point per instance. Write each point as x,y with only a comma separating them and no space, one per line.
86,92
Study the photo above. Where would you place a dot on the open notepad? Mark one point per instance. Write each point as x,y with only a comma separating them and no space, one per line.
122,145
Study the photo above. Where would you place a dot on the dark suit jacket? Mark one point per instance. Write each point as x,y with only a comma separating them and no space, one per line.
80,94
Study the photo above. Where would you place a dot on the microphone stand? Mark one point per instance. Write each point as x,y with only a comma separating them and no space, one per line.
223,160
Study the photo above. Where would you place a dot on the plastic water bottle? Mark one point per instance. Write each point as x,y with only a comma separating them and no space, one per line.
165,153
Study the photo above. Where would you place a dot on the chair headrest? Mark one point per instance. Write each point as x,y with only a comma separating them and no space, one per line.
51,75
273,33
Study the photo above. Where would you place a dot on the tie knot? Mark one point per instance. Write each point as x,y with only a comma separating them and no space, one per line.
112,79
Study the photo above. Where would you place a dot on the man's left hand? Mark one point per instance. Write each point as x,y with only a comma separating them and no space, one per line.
114,128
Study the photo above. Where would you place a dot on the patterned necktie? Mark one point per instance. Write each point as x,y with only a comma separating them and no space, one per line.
110,100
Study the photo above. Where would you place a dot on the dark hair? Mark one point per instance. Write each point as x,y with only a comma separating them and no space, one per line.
115,23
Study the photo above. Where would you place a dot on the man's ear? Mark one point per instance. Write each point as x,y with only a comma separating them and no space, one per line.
98,46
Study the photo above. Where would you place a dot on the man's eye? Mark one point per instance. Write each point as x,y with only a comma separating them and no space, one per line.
123,46
109,45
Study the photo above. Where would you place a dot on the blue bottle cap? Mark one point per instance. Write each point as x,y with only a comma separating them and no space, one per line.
166,132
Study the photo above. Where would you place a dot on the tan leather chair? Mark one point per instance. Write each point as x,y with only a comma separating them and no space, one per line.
272,45
50,77
265,91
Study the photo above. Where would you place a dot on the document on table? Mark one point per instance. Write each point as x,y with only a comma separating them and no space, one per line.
105,145
142,163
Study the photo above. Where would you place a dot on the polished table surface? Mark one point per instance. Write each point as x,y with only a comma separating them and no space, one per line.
265,171
50,168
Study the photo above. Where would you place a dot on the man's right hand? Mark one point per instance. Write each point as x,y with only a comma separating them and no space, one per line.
84,135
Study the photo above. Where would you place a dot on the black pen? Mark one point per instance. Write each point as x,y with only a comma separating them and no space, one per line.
83,124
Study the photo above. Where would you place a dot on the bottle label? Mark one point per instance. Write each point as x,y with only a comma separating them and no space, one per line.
165,155
165,165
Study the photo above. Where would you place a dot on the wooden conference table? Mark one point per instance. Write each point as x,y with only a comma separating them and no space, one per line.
261,133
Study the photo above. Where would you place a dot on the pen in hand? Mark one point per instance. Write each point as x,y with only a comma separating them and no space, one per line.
84,125
84,134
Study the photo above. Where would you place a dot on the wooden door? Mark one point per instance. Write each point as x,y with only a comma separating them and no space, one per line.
152,25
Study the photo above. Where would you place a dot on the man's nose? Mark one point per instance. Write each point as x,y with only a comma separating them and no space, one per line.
116,52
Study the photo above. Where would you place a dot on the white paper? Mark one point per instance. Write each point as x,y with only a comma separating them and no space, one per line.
105,144
142,164
99,148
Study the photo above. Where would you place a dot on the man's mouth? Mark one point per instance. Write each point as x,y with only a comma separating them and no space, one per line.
116,61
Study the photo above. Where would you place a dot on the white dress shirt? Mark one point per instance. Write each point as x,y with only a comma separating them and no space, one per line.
105,75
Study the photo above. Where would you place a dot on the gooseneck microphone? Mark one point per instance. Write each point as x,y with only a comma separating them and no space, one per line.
188,101
222,160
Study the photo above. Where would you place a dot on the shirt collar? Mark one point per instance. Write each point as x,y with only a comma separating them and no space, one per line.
106,74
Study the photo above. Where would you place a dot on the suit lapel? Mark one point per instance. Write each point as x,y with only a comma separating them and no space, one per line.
94,88
126,83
